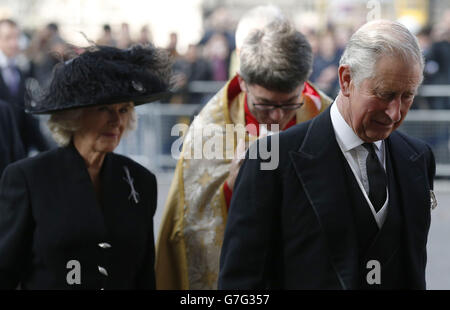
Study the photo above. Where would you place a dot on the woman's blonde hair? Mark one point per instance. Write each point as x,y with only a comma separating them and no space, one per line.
64,124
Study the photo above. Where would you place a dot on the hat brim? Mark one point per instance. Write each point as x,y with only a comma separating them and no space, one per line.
138,100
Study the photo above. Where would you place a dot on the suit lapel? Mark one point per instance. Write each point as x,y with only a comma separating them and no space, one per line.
409,168
4,90
319,166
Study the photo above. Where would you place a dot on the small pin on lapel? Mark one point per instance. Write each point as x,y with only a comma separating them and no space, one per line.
433,200
133,194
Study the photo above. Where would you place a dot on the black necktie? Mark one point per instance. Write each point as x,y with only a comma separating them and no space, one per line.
377,178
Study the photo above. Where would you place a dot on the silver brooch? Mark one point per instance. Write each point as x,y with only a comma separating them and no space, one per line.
433,200
133,194
138,86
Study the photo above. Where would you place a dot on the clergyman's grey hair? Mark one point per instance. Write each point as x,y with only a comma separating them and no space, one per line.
277,57
377,39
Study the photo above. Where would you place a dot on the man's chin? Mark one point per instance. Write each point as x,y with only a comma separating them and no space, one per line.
376,136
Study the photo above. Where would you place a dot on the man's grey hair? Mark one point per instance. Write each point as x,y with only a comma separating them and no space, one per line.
64,124
277,57
256,18
378,39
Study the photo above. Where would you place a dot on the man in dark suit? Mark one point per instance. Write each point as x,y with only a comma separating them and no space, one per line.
12,87
11,148
348,206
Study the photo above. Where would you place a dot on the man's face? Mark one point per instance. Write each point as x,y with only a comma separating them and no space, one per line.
9,39
258,96
379,105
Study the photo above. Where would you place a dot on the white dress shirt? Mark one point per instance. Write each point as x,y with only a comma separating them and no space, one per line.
4,61
9,74
356,154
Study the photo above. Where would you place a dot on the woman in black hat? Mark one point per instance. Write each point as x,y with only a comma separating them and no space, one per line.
80,216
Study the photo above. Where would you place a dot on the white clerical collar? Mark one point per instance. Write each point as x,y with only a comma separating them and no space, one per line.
344,133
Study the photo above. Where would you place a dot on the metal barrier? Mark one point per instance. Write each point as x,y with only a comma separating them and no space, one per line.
433,127
434,91
211,87
150,144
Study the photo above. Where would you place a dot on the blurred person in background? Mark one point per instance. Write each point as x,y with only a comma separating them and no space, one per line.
270,90
217,52
172,45
47,48
425,39
326,63
180,82
11,148
313,39
124,38
189,68
145,36
186,69
438,61
12,87
81,216
218,41
107,39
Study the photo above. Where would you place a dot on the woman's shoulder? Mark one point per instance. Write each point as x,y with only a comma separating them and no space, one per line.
38,168
44,158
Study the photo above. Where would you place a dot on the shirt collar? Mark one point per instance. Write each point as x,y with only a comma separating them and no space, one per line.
4,61
344,133
378,144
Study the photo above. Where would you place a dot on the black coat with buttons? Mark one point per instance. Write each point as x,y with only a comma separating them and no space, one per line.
56,233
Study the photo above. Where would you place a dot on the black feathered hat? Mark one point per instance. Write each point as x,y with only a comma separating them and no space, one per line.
104,75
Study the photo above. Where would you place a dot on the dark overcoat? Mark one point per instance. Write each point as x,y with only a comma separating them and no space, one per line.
56,233
306,224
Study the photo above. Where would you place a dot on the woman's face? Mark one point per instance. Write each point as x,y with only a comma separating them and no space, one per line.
101,127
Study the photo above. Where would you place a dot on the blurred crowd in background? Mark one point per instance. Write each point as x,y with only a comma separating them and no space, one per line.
204,66
213,57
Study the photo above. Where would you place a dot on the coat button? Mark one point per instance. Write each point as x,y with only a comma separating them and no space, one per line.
104,245
102,270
